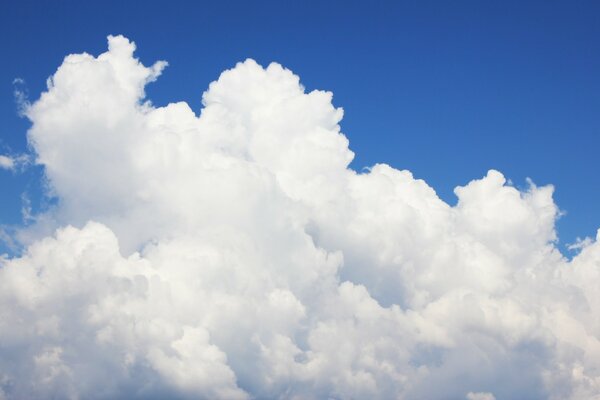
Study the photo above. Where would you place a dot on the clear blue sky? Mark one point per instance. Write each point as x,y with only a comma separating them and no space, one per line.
445,89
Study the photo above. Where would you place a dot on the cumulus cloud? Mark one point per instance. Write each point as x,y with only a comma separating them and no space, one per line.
234,254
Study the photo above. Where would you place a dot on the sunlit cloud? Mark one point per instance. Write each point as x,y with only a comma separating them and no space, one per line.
233,254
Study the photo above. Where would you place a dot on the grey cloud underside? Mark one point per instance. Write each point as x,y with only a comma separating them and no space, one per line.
234,255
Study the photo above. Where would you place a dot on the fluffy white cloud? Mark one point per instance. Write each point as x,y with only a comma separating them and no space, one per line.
233,254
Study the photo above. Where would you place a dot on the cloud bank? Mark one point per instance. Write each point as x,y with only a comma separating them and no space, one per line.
235,255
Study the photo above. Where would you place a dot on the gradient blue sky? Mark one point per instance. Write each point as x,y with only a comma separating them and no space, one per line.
447,90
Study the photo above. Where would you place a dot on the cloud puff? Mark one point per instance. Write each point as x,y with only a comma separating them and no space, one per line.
480,396
13,162
7,162
233,254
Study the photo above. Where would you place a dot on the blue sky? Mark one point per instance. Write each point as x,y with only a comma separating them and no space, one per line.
447,90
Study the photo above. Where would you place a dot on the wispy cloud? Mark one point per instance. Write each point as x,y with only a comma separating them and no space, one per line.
21,95
14,163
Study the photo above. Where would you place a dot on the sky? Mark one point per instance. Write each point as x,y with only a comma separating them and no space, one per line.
445,90
299,201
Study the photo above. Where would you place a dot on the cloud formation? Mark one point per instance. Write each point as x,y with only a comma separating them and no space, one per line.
7,162
13,162
234,255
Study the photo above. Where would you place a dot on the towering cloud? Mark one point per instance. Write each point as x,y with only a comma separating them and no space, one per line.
234,255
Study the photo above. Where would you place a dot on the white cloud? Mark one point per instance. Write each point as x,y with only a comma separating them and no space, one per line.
235,255
580,244
7,162
13,163
21,96
480,396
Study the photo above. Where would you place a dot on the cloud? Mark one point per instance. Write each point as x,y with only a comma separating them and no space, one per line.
233,254
480,396
14,162
21,95
7,162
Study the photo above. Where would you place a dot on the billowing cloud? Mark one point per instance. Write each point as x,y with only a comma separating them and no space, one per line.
234,255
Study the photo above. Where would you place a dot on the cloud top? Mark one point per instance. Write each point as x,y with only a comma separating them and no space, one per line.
233,254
